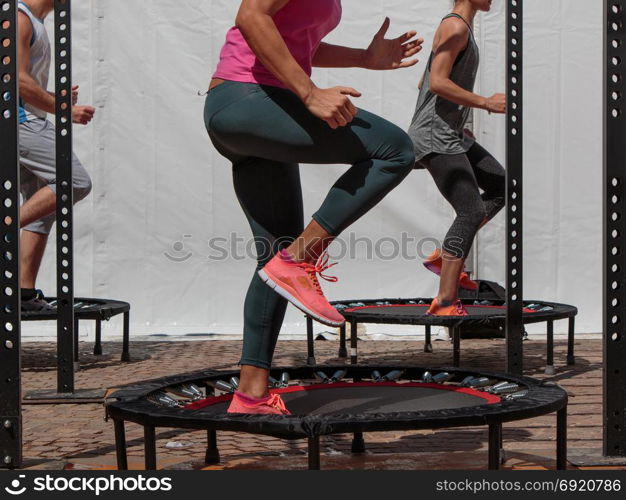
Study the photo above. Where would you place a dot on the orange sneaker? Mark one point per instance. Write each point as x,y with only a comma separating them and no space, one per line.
272,405
466,283
297,282
455,309
434,264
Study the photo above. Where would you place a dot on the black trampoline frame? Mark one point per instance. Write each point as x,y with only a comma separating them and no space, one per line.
130,405
354,318
97,310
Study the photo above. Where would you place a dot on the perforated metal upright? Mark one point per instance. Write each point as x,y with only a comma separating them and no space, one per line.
10,363
615,230
65,238
514,187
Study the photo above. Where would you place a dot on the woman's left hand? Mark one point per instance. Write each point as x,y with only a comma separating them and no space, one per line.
392,54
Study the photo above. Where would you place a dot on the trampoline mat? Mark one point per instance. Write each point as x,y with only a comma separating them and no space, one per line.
412,310
366,398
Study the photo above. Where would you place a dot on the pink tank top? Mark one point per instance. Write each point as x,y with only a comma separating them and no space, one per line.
302,23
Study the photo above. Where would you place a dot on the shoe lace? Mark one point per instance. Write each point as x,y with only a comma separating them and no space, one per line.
320,266
460,309
275,401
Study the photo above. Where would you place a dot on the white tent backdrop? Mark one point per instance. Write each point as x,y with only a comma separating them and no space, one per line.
163,206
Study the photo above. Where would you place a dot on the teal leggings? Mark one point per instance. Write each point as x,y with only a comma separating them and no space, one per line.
266,132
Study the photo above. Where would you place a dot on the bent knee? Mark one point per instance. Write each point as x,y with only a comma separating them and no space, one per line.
82,188
402,153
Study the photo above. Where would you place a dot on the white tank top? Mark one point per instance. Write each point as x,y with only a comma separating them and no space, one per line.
39,64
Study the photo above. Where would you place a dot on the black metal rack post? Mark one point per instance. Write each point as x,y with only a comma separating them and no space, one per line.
65,237
10,361
514,187
614,317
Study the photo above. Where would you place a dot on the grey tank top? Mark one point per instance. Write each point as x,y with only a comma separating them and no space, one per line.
438,124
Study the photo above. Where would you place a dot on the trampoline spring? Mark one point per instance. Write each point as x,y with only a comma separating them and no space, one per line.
234,381
504,389
163,399
273,382
427,377
338,375
393,375
196,390
478,382
376,376
500,384
186,391
224,386
516,395
440,378
284,379
467,380
322,377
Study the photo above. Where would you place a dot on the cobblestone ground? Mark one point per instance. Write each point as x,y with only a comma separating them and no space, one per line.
76,435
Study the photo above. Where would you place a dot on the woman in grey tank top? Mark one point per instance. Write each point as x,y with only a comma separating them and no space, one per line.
460,167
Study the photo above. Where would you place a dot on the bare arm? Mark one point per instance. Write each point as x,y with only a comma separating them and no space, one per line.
255,22
337,56
30,91
451,41
381,54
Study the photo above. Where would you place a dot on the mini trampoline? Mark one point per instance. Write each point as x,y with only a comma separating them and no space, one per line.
486,313
97,310
328,400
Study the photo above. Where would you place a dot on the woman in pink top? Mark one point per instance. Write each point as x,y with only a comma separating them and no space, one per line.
266,116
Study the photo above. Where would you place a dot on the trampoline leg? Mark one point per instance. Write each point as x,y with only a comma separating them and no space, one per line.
343,351
550,353
150,447
571,360
126,338
456,346
353,343
561,439
212,452
310,345
97,348
314,453
495,437
120,445
358,443
428,341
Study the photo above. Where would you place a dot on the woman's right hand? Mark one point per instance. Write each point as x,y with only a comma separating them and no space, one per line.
332,105
496,104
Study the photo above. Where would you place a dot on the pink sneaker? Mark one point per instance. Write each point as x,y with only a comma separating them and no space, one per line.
271,405
297,282
455,309
434,264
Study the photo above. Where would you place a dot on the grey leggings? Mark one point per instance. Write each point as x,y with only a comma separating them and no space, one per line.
266,132
460,178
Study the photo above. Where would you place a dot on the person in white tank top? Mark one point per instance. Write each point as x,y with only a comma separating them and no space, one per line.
37,146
